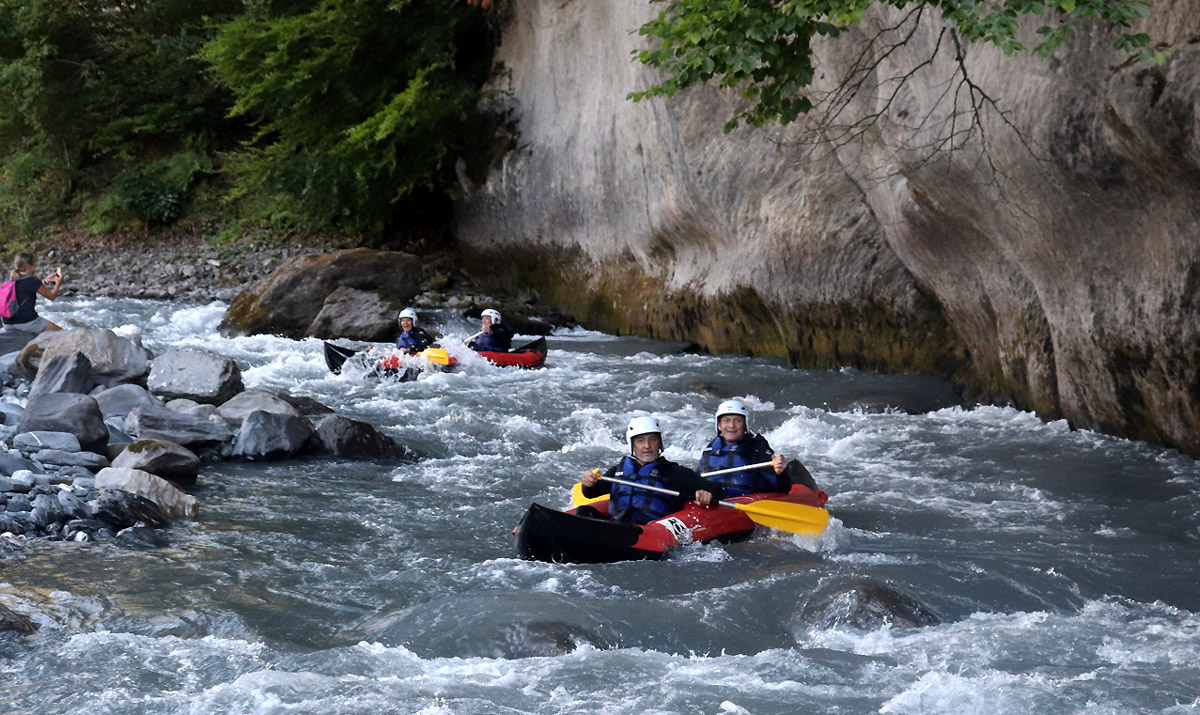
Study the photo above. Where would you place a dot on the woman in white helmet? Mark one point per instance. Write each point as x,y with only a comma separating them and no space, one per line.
644,464
736,446
412,339
494,336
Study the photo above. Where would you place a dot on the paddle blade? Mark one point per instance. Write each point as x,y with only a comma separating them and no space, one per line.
795,518
578,499
437,355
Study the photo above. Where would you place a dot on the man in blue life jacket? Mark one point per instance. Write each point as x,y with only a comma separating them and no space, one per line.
412,339
736,446
645,465
494,337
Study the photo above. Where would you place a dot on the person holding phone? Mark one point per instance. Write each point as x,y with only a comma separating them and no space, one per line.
28,287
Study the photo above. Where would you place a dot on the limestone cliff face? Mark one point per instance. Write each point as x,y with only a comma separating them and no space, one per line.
1050,261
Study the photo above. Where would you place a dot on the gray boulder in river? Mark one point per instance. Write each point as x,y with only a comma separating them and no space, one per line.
289,301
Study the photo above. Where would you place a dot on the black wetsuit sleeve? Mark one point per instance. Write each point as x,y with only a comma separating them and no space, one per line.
687,482
601,487
763,453
424,339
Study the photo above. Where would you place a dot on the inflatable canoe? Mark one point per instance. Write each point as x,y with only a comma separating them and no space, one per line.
546,534
527,356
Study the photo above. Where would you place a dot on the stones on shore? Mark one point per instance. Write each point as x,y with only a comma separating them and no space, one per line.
168,460
195,374
94,458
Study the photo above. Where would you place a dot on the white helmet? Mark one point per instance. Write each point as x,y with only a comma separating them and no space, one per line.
491,313
408,313
733,407
639,426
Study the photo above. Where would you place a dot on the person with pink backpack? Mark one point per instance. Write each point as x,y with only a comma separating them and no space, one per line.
18,296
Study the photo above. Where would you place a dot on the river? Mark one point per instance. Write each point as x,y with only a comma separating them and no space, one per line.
1063,566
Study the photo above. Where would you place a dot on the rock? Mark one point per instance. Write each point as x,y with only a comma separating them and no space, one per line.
29,442
12,412
87,460
193,408
269,435
49,510
173,502
307,405
195,374
152,422
118,509
162,458
355,314
19,502
17,522
343,437
238,407
67,412
113,359
288,301
91,529
864,605
30,358
10,464
14,622
63,373
120,400
22,481
141,537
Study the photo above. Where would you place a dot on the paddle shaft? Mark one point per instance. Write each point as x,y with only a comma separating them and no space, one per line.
660,490
794,518
738,469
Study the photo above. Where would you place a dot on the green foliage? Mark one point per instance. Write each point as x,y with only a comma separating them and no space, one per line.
763,47
358,105
90,87
321,114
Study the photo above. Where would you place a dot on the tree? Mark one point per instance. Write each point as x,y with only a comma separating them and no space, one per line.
91,90
764,47
359,106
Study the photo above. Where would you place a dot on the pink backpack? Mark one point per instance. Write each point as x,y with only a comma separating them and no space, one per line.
8,298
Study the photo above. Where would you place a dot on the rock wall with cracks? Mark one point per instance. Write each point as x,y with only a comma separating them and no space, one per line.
1050,261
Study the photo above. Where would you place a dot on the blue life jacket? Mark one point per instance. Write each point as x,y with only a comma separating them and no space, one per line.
649,505
415,340
497,341
721,455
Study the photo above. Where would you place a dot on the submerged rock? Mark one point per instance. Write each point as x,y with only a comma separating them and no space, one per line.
15,622
864,605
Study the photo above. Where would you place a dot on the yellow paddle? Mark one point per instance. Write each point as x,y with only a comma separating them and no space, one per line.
436,355
785,516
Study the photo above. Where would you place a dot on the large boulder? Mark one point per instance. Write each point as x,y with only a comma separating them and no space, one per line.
67,412
63,373
120,400
288,301
237,408
157,422
173,502
30,358
343,437
356,314
269,435
113,359
195,374
168,460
